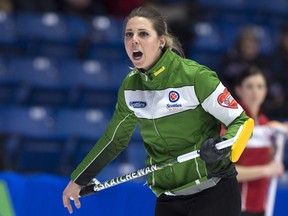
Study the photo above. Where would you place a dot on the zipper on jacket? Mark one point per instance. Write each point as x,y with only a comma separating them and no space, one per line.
152,112
153,175
144,74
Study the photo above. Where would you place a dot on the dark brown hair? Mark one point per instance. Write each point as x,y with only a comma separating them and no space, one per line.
247,72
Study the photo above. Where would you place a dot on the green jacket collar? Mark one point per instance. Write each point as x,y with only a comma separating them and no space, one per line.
160,69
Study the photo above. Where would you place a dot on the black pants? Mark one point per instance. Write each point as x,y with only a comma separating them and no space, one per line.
252,214
221,200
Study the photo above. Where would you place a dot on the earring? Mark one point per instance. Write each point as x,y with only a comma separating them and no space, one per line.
161,47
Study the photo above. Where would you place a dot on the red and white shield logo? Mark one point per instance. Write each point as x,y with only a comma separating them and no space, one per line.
225,99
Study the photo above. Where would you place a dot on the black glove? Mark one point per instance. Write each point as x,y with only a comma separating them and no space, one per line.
209,153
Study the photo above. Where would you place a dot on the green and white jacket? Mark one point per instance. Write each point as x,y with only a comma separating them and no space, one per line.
178,104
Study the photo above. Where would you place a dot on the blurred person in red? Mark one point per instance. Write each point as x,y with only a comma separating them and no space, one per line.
256,165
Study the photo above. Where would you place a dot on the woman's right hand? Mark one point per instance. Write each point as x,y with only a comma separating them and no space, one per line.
71,192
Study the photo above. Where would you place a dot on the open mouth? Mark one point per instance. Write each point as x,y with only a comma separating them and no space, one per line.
137,55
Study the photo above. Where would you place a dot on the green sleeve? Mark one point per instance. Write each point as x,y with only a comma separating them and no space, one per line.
232,129
205,82
112,143
208,89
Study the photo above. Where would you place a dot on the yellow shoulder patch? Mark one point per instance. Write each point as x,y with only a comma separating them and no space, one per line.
156,73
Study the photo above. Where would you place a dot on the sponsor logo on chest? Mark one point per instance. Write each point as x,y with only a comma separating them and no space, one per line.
173,96
138,104
171,102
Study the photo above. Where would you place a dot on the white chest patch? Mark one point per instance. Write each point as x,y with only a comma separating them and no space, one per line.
157,104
